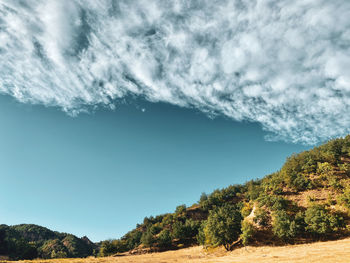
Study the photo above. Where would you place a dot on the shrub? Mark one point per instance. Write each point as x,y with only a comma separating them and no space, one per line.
132,239
164,238
201,235
180,210
261,217
320,221
246,209
344,198
247,232
283,226
147,239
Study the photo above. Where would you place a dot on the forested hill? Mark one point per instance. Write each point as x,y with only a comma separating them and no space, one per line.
308,199
27,241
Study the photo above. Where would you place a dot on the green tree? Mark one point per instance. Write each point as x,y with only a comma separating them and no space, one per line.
283,225
319,221
148,239
223,226
164,238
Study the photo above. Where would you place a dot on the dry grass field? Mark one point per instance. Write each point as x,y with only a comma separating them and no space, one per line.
320,252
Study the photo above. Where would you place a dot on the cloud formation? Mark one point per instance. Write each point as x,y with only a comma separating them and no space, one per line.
284,64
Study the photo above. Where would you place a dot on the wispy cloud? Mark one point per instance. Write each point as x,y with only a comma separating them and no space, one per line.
282,63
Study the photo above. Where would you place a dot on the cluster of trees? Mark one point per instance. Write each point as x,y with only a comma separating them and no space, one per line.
31,241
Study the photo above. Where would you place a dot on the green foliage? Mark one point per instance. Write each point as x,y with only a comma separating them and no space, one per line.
201,235
180,210
184,231
273,183
132,239
246,209
28,241
53,249
273,202
254,189
247,232
147,238
344,167
110,247
164,238
344,198
261,217
155,229
324,168
319,221
283,225
223,226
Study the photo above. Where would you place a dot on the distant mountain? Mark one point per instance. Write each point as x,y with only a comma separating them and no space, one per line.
28,241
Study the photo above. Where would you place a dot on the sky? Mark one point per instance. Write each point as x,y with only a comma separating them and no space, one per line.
115,107
99,174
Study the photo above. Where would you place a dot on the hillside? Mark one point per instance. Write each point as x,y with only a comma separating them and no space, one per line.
319,252
307,200
27,241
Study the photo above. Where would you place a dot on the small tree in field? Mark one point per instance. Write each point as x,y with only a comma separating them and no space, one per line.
223,226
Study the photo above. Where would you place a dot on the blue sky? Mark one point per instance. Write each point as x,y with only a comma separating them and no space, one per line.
99,174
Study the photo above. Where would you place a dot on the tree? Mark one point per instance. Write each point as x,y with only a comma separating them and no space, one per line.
164,238
180,210
283,225
223,226
147,238
320,221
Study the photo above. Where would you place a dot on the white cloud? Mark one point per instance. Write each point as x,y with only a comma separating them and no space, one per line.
284,64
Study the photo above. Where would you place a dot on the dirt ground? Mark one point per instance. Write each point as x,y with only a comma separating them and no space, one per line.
320,252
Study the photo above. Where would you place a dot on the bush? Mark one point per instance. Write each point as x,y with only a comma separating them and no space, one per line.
246,209
201,235
180,210
223,226
275,203
147,239
344,198
164,238
110,247
283,226
132,239
320,221
247,232
187,230
261,217
254,190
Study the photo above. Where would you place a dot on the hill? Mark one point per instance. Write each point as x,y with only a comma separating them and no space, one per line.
27,241
307,200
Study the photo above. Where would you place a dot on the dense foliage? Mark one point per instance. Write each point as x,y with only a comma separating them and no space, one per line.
32,241
223,226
